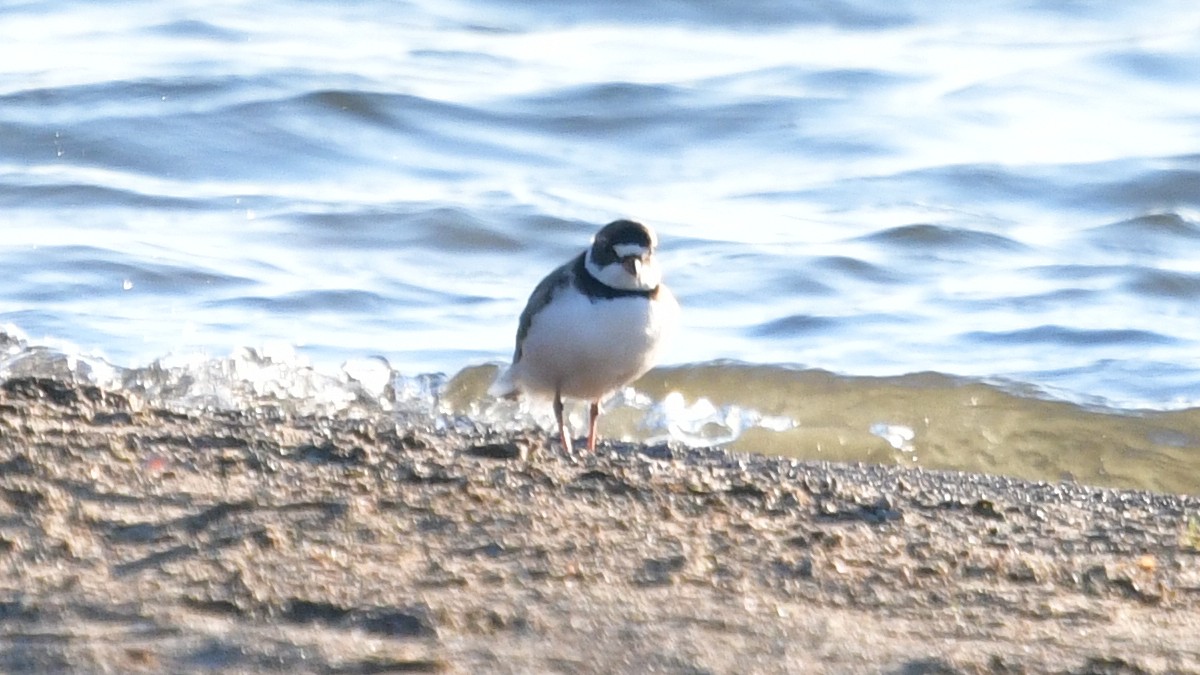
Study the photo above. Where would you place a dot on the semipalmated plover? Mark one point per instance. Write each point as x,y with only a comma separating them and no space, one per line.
593,325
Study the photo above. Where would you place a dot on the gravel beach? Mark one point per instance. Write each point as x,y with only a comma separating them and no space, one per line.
134,539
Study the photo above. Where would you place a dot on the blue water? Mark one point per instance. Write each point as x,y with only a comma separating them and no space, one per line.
1004,192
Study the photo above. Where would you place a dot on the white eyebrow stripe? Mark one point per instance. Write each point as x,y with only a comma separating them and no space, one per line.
626,250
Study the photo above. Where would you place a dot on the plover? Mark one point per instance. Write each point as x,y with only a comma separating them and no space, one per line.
593,325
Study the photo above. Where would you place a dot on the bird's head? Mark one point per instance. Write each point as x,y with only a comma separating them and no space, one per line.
622,257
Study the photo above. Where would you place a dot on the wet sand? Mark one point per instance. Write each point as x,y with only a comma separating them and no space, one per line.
142,540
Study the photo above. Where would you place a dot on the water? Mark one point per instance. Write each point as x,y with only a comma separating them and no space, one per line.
876,215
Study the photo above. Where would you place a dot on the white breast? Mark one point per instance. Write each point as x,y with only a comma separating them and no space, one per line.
586,349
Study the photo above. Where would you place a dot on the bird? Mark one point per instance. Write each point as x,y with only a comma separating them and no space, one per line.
593,325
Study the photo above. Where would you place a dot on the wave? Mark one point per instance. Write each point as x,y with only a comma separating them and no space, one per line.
930,420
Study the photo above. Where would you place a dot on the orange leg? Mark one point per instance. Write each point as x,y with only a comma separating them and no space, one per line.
593,415
562,427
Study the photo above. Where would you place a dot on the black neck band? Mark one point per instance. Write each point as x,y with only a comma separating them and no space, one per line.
594,288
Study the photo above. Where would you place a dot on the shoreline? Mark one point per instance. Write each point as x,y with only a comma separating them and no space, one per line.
150,540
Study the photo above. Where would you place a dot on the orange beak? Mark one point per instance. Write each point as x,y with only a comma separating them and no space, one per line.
633,265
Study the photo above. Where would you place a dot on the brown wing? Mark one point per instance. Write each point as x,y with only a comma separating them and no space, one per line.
542,294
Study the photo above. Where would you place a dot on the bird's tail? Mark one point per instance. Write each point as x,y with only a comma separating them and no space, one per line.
503,386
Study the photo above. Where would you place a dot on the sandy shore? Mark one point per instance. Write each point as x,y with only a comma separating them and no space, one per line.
143,540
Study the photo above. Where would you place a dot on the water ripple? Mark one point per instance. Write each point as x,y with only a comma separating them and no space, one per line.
926,237
1060,335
